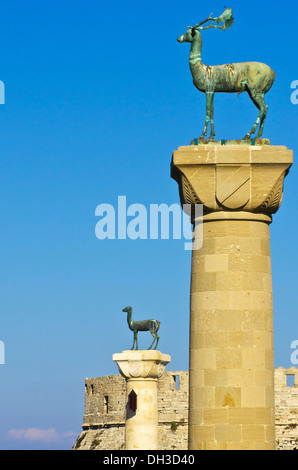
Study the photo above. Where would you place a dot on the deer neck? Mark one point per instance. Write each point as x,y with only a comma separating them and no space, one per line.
129,319
196,49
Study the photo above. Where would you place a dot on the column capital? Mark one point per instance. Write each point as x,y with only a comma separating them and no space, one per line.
232,177
141,364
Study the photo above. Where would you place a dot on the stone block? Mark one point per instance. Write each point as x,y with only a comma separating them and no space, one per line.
228,432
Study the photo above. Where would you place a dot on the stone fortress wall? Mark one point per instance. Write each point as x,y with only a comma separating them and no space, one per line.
104,416
286,408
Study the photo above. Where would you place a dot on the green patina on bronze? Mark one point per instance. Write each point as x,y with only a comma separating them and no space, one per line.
230,142
142,325
254,77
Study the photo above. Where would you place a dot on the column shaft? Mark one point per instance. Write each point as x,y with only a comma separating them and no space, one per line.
231,337
141,427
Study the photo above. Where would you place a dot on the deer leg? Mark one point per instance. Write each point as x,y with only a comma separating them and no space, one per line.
260,133
134,340
154,334
152,342
207,119
157,339
212,134
259,102
205,129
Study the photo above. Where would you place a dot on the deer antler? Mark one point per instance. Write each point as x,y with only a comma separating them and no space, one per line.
226,17
205,21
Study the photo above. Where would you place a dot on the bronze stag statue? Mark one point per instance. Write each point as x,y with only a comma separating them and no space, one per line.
254,77
142,325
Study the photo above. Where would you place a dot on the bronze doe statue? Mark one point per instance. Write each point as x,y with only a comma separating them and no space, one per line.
254,77
143,325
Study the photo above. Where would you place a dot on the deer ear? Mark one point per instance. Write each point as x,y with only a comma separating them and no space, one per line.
193,30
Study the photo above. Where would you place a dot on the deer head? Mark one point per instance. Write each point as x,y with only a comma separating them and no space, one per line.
189,35
127,309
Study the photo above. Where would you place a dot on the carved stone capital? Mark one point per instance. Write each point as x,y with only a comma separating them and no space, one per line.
141,364
232,177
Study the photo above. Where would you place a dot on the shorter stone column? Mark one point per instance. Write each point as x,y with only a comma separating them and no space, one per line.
141,369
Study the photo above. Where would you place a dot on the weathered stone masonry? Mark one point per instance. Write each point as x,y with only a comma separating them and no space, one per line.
104,417
286,408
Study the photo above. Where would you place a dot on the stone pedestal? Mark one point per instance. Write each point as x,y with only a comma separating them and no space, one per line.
231,322
141,369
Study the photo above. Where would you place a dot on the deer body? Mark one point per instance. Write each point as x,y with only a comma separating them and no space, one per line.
142,325
254,77
231,78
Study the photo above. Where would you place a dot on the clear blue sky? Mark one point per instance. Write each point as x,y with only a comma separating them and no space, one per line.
98,95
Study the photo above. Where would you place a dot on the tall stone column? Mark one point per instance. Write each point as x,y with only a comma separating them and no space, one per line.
231,363
141,369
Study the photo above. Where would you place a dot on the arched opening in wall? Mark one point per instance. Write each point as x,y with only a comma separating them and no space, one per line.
89,389
132,401
106,404
290,380
177,381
